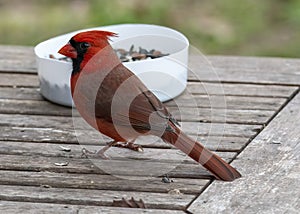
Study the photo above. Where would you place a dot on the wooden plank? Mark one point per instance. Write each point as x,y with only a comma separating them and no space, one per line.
36,107
159,154
185,114
92,197
18,80
17,59
62,122
222,115
228,102
245,70
14,51
270,169
43,135
100,182
41,157
240,89
33,208
185,100
220,129
264,64
20,93
38,121
216,143
164,155
194,88
51,135
118,168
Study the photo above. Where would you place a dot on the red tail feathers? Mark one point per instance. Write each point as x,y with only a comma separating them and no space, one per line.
213,163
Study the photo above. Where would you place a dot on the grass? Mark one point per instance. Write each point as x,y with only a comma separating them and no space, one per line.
248,27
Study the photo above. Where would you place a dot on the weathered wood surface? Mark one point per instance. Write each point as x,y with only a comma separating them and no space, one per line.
228,101
62,122
224,111
222,115
34,208
100,182
23,93
240,89
91,197
245,70
185,114
18,80
23,83
156,154
17,58
48,135
122,167
270,168
187,99
207,115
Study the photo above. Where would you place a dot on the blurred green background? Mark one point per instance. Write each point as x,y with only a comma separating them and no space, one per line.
231,27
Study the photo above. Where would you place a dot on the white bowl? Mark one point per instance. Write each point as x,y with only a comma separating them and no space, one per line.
165,76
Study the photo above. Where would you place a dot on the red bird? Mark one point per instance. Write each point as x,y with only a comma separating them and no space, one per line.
116,103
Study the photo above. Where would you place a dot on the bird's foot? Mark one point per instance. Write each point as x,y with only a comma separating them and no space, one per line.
131,146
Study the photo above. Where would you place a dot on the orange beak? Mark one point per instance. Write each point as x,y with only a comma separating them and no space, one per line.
68,51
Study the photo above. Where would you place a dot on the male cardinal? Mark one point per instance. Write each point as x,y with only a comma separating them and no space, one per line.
114,101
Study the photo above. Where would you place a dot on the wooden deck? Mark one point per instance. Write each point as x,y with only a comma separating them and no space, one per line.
247,111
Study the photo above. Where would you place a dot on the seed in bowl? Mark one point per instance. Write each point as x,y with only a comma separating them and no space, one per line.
141,54
67,59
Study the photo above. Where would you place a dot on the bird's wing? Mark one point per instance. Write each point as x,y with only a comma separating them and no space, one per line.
146,112
132,105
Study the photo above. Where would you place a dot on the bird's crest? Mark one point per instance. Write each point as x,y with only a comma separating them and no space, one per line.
93,36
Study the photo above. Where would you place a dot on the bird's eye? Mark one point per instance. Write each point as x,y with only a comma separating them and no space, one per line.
84,45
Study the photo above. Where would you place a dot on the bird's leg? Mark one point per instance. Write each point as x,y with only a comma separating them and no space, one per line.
130,145
99,153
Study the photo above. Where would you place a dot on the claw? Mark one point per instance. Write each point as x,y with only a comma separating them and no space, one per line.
131,146
140,149
100,154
